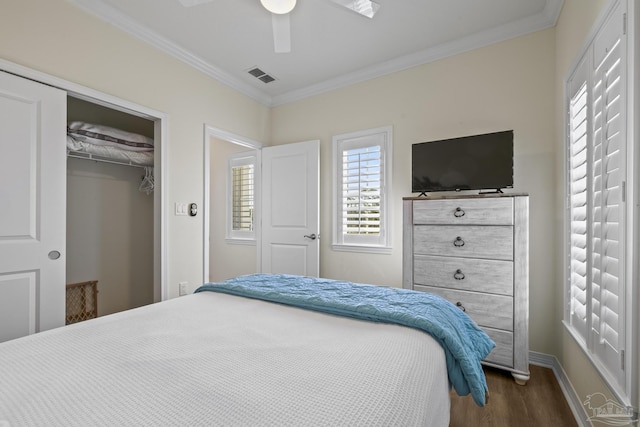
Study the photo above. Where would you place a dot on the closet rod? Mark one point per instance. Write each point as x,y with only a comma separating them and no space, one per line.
89,156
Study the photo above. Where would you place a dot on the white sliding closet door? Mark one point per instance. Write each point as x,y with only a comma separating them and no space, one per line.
32,207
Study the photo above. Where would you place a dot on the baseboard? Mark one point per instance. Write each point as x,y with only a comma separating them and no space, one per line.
575,403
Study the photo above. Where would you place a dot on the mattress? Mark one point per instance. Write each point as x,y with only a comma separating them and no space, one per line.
465,344
223,360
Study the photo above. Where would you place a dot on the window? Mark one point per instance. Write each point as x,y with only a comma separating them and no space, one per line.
597,290
241,201
362,183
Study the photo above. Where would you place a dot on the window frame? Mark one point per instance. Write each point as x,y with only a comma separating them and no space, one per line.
238,160
618,373
383,137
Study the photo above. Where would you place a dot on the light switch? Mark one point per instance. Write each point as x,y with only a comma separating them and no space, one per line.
181,209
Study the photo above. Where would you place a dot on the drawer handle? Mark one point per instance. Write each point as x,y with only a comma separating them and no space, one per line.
458,212
458,243
458,275
460,306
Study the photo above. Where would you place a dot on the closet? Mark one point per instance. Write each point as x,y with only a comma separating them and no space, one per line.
110,206
74,218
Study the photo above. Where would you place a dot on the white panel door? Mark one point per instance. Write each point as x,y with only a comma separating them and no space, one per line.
32,207
290,209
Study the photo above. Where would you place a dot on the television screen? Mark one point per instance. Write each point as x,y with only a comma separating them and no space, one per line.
479,162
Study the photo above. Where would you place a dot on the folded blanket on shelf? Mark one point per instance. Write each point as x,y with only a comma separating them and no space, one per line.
108,136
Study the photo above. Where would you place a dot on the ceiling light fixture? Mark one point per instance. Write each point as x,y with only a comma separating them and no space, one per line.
279,6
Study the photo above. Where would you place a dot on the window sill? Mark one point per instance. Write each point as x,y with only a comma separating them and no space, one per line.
246,242
598,367
362,249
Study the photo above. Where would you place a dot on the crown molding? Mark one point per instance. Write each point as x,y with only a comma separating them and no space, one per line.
552,10
545,19
128,25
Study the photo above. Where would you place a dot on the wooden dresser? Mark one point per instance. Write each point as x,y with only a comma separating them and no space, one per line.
474,251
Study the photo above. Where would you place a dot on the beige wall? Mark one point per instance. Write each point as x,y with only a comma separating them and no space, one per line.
110,233
109,221
574,26
57,38
489,89
81,110
226,260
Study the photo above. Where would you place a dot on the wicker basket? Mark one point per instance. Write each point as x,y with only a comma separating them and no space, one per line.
82,301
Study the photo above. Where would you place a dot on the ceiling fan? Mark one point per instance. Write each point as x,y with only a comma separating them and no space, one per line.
280,10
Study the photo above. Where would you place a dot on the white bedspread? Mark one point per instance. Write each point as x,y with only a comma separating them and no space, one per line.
218,360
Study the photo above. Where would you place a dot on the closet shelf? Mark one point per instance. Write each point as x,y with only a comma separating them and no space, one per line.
89,156
109,145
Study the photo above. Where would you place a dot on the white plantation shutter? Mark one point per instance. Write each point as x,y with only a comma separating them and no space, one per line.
578,208
362,173
596,166
361,190
609,141
241,196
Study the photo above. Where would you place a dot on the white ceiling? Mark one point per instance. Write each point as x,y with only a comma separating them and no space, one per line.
331,46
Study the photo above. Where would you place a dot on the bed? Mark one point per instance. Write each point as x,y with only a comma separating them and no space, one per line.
272,350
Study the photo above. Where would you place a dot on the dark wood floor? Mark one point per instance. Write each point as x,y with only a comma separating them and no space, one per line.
539,403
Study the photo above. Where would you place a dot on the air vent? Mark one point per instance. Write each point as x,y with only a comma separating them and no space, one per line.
261,75
266,78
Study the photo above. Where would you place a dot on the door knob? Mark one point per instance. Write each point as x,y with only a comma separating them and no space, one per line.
53,255
311,236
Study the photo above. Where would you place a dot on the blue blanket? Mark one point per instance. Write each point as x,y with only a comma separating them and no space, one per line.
464,344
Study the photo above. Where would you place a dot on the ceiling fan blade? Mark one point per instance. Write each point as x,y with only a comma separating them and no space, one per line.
366,8
281,32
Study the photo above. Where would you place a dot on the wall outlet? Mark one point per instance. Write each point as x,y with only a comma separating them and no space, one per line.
183,288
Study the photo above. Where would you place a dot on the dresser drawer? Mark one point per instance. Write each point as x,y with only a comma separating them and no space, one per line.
470,274
487,310
495,211
502,354
494,242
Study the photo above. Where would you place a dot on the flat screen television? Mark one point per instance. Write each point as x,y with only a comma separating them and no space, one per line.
478,162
